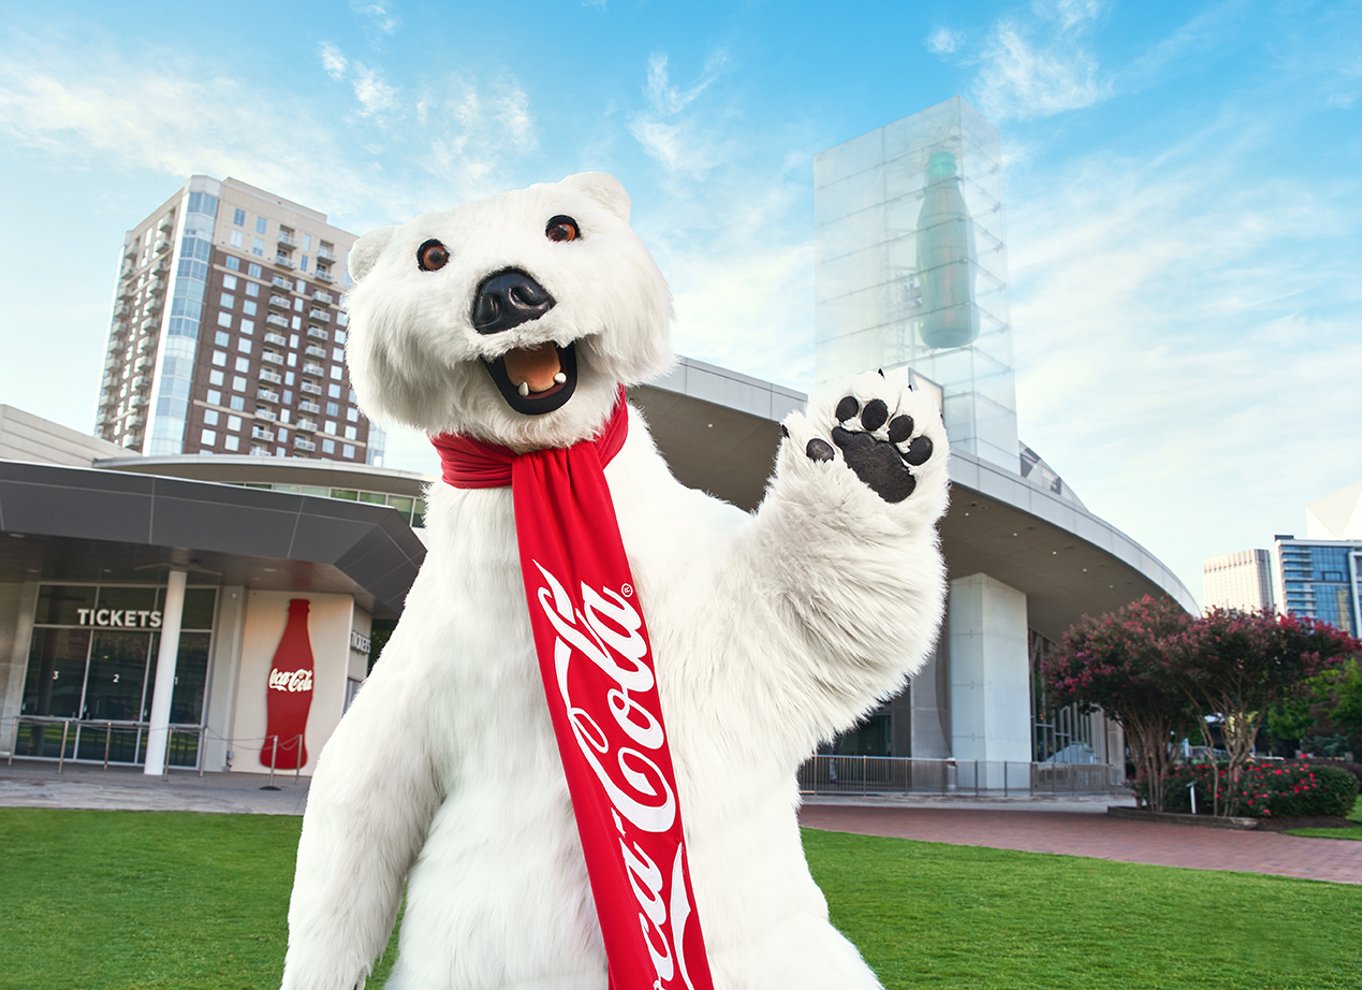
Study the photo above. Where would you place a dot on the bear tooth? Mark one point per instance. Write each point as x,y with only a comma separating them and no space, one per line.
560,378
524,388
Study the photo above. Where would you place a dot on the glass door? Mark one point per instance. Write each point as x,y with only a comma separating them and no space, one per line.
115,688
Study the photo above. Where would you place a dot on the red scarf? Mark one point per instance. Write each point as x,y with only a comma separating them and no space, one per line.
597,666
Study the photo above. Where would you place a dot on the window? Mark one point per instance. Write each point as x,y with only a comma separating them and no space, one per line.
248,327
248,308
338,354
307,242
226,300
210,417
208,437
333,409
261,225
239,385
352,414
224,319
220,359
331,427
302,263
288,392
328,446
253,289
243,364
215,377
234,263
253,270
293,340
221,339
258,247
351,433
348,452
339,335
292,360
229,281
239,217
234,239
231,442
238,403
233,422
243,344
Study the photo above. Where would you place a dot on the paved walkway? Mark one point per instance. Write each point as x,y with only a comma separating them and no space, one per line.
1070,826
1074,833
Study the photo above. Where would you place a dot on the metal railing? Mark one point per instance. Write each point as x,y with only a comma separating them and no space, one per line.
117,742
824,774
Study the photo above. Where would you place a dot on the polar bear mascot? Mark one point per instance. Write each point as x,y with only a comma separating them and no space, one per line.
578,751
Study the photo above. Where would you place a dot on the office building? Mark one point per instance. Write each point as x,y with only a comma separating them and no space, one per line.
1241,580
227,336
1321,579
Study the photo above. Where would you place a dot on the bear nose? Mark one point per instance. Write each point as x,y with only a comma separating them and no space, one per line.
507,299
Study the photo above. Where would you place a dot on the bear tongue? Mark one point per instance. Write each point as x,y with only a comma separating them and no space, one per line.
533,366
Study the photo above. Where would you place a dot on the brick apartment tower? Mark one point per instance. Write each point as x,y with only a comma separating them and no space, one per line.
227,336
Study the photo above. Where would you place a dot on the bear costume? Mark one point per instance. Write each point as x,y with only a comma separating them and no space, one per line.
515,321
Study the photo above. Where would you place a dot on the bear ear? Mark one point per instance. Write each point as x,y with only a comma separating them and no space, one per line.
604,188
367,249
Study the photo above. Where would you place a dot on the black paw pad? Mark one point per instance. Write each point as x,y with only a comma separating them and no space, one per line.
847,408
819,450
900,429
874,415
918,451
876,463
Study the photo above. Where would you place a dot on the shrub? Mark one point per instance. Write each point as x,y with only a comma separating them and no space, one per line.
1267,790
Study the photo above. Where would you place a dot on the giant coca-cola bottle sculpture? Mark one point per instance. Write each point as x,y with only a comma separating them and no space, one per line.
945,258
289,695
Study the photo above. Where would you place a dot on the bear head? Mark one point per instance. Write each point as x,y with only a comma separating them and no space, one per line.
513,319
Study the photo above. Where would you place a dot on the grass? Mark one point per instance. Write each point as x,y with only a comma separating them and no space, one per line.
155,901
1353,832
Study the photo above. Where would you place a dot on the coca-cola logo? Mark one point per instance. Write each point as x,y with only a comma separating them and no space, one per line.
605,630
292,681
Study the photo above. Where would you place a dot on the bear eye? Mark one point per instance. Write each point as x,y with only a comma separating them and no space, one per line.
432,256
562,228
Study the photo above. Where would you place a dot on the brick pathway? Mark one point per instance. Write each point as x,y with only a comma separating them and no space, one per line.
1103,837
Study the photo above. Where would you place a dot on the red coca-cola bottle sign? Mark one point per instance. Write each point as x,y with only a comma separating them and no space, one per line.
288,696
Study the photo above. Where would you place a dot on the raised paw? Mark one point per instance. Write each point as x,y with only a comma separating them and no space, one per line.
882,445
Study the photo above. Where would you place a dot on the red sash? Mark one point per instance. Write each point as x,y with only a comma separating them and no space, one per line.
597,667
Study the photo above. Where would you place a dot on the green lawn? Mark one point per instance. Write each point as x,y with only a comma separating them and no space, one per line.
1354,833
160,901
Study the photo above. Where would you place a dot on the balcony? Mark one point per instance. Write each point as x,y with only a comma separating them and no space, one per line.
320,315
167,223
264,412
156,286
279,302
280,282
162,246
315,370
139,382
150,324
311,388
136,422
285,240
273,377
137,402
276,338
304,444
266,395
307,424
324,253
322,296
315,351
275,320
325,276
261,433
259,451
121,309
308,406
317,333
143,363
281,261
272,357
145,344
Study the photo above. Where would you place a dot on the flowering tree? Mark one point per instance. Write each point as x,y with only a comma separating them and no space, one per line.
1236,665
1117,662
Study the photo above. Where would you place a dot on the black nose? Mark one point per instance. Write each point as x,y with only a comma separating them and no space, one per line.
507,299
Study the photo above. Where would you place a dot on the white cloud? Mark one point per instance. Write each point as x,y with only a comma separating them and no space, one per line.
333,62
943,41
673,131
373,94
378,14
1069,14
477,132
1021,80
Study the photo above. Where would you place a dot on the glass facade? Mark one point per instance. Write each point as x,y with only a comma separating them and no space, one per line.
413,510
911,268
92,659
1321,580
175,375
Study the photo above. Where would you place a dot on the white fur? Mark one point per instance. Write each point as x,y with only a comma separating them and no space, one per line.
769,632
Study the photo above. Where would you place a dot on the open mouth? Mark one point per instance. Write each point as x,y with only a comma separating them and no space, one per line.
535,380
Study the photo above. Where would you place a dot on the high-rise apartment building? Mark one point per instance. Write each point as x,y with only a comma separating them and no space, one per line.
1321,579
1241,580
227,336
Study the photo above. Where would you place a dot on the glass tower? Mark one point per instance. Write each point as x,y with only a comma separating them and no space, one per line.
911,268
1321,579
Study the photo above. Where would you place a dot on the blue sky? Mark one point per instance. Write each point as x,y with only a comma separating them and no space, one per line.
1184,193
